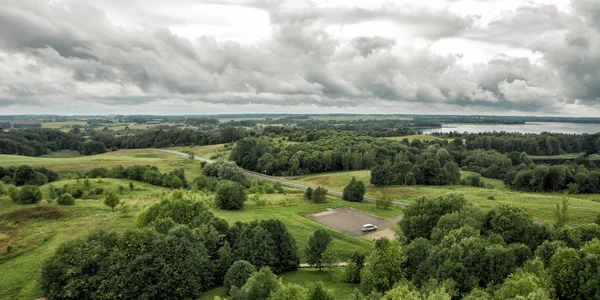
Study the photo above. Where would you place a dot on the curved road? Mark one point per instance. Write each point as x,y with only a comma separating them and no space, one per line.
278,179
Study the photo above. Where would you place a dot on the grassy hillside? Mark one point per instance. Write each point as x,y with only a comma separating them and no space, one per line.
65,165
33,232
583,208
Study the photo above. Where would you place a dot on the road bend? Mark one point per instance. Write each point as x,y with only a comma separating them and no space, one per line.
278,179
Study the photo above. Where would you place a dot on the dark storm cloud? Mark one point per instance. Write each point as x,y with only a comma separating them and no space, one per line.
70,51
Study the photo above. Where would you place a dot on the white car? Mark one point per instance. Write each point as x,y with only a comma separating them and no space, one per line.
368,227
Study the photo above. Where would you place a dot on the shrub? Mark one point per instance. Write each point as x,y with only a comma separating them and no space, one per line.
65,199
238,274
2,190
354,191
132,187
6,179
99,191
230,195
308,193
27,194
24,175
319,195
491,197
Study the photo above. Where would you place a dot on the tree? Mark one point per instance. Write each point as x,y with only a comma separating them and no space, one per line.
238,274
111,201
383,266
258,287
308,193
385,201
317,244
230,195
421,217
132,187
316,291
65,199
191,155
224,262
289,291
319,195
354,191
24,175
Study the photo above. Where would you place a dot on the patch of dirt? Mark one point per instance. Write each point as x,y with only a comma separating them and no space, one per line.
375,235
349,220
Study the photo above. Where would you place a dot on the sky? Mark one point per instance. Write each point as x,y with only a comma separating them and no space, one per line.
499,57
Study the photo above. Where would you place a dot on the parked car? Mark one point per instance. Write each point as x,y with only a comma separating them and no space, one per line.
368,227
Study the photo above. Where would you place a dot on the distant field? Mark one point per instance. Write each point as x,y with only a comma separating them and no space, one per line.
164,161
63,124
62,154
415,137
205,151
562,156
583,208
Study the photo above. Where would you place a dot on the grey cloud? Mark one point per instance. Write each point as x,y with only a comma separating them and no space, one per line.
368,45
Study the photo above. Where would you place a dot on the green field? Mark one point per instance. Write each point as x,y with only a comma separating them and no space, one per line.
562,156
583,208
206,151
65,165
32,240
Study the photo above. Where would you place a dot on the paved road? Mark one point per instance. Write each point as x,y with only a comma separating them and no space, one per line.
280,180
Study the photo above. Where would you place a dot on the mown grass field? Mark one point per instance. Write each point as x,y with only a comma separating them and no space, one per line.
206,151
583,208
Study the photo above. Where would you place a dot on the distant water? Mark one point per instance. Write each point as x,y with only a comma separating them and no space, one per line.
529,127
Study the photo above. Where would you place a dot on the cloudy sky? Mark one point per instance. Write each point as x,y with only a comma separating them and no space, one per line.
517,57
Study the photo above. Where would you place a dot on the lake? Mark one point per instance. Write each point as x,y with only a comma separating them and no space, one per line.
528,127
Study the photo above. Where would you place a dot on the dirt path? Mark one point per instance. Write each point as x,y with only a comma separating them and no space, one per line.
349,220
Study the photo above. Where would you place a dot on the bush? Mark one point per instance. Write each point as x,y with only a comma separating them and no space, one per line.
598,220
354,191
230,195
27,194
65,199
24,175
491,197
2,190
238,274
308,193
99,191
319,195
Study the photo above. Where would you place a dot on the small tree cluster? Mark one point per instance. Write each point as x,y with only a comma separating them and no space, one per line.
317,245
319,195
27,194
65,199
354,191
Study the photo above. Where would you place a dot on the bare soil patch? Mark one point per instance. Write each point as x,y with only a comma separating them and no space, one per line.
349,220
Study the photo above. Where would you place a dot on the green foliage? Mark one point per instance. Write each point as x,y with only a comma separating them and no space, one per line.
258,287
385,201
132,187
137,264
308,193
530,282
354,191
230,195
319,195
111,201
576,273
515,225
352,271
317,244
238,274
264,243
27,194
226,171
317,291
421,217
383,266
179,210
289,291
2,190
597,220
65,199
24,175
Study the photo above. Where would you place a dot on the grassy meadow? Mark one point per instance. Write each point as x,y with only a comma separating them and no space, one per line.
29,234
583,208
